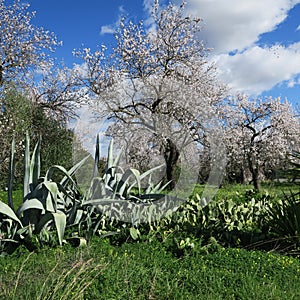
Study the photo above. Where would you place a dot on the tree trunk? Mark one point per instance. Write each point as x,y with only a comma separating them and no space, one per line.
171,156
254,173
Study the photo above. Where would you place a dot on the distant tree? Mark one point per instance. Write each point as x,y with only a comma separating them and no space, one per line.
157,84
260,133
15,119
21,115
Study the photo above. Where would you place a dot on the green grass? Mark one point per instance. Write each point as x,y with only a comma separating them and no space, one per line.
237,192
17,197
148,271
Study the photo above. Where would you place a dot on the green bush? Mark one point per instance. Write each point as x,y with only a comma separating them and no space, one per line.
19,115
284,218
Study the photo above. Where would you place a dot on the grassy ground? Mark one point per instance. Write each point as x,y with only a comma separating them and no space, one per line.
237,192
148,271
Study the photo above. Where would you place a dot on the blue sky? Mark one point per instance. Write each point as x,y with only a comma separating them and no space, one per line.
256,43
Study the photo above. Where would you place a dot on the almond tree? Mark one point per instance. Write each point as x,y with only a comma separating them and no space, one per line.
29,83
260,134
22,45
157,79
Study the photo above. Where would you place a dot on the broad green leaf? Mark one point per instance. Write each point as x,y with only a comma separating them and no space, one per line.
30,204
110,156
54,168
149,172
134,232
60,221
112,164
6,210
51,200
96,202
122,183
137,177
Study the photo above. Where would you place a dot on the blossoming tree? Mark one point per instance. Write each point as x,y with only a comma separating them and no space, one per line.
260,133
157,82
22,45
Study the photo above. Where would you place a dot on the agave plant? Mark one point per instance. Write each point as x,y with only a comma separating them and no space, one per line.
125,198
47,205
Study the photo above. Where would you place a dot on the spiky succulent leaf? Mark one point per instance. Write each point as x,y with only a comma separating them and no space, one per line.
11,174
35,165
26,189
59,220
7,211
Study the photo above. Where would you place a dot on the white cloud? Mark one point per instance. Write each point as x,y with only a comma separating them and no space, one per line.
259,69
298,28
110,28
237,24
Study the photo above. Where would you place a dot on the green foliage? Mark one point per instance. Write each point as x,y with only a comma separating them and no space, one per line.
56,143
225,221
19,115
293,174
284,217
15,119
125,205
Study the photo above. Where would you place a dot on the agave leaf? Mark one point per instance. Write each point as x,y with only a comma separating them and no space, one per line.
117,159
158,188
78,214
123,182
149,172
109,234
26,189
11,173
97,157
35,165
97,189
151,196
134,233
110,157
60,221
112,164
104,201
51,200
54,168
31,204
6,210
73,170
